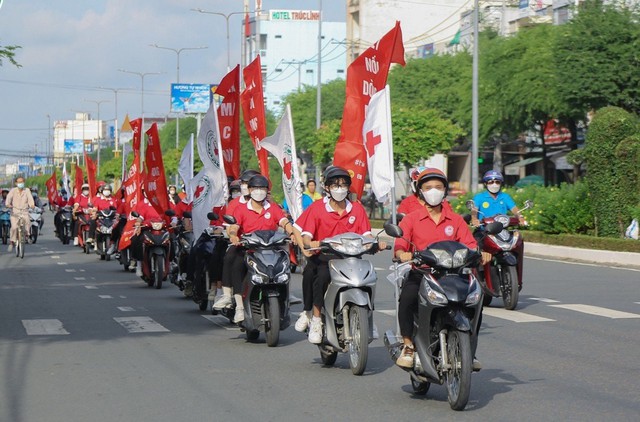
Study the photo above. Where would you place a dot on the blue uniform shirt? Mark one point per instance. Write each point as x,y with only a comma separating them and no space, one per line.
488,206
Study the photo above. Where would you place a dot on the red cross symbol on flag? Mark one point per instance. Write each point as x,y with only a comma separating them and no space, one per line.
370,143
286,168
198,191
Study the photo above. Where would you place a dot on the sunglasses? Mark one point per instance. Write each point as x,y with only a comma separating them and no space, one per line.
494,182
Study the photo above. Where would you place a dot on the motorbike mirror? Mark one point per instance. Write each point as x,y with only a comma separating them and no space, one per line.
470,205
170,213
528,203
212,216
135,214
392,230
399,217
229,219
186,214
494,228
467,218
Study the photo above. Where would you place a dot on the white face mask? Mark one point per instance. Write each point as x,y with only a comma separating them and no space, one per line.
235,194
339,194
433,196
258,195
85,192
494,188
172,192
106,193
244,189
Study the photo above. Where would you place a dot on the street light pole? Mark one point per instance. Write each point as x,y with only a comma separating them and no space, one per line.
226,17
49,149
98,102
474,102
142,75
115,120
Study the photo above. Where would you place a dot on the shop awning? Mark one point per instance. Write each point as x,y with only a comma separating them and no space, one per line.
513,169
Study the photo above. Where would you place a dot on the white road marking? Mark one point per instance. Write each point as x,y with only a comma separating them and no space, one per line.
91,287
44,327
81,271
515,316
69,270
62,263
583,263
221,321
638,303
388,312
49,252
141,325
78,278
55,257
597,310
105,296
380,269
126,308
123,297
545,300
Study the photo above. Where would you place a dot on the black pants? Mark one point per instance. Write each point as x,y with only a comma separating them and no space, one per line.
315,280
206,254
233,269
57,223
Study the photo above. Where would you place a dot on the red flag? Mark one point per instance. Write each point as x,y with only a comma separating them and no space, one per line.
132,196
229,121
252,102
155,183
365,76
52,191
247,27
79,180
91,174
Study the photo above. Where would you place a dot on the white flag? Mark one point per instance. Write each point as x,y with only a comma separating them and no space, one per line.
65,180
376,133
282,145
210,185
185,168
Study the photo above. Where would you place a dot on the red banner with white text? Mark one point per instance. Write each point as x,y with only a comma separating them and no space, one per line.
77,182
155,183
52,191
365,76
252,102
131,187
91,174
229,121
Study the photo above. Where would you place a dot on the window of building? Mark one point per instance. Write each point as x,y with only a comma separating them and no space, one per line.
340,71
309,70
278,36
278,70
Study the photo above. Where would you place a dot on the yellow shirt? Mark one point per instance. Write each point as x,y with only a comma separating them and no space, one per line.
315,195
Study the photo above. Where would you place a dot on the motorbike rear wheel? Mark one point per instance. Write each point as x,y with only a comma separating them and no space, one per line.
359,345
158,274
510,288
458,377
272,327
34,235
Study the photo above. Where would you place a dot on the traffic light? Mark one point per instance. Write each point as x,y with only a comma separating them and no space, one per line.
480,160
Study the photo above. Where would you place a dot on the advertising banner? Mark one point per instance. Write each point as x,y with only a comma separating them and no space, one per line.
73,146
191,98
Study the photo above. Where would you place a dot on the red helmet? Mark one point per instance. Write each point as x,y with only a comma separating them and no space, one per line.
431,173
414,172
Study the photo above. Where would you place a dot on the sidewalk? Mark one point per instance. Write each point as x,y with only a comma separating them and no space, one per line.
621,259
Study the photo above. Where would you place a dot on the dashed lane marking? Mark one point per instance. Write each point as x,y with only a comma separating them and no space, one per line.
78,278
105,296
126,308
545,300
70,270
598,311
388,312
62,263
55,257
221,321
89,287
44,327
515,316
140,325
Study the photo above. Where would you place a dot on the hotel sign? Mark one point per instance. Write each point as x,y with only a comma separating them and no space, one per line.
294,15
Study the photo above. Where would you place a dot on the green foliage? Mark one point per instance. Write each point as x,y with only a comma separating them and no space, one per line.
613,192
324,141
628,162
583,241
9,52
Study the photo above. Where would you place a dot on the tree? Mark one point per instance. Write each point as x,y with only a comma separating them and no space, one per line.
9,52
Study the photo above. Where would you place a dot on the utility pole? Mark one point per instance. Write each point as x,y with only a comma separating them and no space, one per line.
298,63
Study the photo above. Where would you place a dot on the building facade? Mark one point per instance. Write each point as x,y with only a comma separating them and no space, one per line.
74,137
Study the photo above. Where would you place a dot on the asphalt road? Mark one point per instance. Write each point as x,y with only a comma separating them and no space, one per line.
70,350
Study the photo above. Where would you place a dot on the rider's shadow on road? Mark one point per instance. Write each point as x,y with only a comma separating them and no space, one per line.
377,362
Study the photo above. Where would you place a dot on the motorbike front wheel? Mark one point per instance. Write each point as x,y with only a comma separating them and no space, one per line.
34,235
5,235
510,287
158,274
359,345
458,377
272,327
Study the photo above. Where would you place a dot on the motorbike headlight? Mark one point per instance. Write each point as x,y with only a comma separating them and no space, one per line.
105,230
460,257
475,293
282,278
352,246
258,276
445,260
435,297
157,225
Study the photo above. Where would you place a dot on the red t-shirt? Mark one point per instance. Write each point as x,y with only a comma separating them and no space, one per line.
104,203
231,206
419,228
81,200
147,212
221,211
320,221
250,220
181,207
409,204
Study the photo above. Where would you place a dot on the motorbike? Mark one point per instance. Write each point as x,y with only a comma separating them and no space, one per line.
66,220
83,229
105,223
266,285
204,249
5,224
448,318
156,249
502,277
35,216
347,314
183,242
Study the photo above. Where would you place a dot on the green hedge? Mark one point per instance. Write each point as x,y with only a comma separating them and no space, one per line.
583,241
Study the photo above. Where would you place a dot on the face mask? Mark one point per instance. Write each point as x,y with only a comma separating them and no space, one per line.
433,196
85,192
494,188
106,193
20,185
172,192
244,189
258,195
339,194
235,194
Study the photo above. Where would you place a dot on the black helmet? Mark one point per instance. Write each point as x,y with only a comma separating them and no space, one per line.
248,174
332,173
234,185
259,181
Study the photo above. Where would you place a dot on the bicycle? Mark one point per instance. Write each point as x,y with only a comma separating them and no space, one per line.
22,236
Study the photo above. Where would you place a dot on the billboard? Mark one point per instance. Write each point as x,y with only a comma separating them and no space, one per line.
39,160
191,98
73,146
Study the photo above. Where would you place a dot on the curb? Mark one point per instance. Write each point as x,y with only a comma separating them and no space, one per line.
621,259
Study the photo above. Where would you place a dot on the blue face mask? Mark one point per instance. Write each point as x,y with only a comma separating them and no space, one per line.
20,185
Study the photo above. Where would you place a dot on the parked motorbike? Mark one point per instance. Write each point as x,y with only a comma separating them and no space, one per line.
266,291
35,216
105,223
448,318
5,224
502,276
347,314
156,248
66,220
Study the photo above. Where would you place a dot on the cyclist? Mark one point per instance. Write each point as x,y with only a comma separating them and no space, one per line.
19,200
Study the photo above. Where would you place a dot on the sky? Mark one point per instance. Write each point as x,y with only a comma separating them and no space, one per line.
70,48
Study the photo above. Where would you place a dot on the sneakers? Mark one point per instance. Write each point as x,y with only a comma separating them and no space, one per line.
294,300
212,296
303,322
405,360
90,240
111,249
315,330
476,365
10,247
222,302
139,269
239,315
75,241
